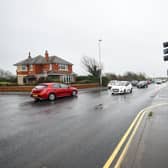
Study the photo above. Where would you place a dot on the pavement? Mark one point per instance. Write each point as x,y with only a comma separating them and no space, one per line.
149,146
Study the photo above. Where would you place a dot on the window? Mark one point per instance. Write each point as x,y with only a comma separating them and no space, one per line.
64,86
63,67
56,85
127,84
24,68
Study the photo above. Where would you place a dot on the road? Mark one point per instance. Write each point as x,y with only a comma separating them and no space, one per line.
67,133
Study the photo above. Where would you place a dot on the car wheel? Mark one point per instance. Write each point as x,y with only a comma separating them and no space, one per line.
131,90
36,100
74,93
52,97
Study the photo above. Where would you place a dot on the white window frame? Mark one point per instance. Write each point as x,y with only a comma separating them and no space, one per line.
63,67
31,67
50,67
19,68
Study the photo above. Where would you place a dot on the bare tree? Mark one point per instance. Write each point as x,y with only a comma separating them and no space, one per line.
91,66
5,74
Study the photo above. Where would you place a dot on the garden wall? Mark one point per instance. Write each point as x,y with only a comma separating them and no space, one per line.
29,88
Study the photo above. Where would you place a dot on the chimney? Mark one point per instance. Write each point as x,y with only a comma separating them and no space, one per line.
29,55
46,55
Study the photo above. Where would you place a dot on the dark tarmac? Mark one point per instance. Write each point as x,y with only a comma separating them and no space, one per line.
69,132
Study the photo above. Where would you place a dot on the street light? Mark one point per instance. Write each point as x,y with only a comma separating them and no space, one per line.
99,47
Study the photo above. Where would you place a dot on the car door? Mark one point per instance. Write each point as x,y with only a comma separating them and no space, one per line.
64,90
57,89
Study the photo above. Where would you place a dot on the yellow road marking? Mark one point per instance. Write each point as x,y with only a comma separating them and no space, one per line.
125,136
123,139
118,164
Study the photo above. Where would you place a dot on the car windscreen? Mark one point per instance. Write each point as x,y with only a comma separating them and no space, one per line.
142,82
113,82
121,83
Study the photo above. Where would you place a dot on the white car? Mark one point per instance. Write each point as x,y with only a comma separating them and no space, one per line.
121,87
111,83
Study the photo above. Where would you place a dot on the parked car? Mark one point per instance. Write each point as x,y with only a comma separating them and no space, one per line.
163,80
111,83
159,81
51,91
142,84
121,87
134,82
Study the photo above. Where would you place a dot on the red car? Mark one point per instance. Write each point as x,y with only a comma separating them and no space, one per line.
51,91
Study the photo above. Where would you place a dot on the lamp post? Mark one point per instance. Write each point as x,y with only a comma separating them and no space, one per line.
99,52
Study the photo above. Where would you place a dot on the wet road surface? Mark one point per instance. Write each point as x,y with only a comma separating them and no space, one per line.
67,133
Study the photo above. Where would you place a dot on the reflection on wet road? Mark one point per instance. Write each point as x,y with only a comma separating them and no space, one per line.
70,132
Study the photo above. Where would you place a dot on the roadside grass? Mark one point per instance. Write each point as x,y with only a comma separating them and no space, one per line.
2,83
150,114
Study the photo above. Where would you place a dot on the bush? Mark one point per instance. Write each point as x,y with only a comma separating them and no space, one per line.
81,78
91,79
48,79
8,81
105,80
86,79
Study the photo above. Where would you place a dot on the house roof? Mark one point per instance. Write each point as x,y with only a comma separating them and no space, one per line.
41,60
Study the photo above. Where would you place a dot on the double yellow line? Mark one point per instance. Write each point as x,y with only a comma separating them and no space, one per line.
129,133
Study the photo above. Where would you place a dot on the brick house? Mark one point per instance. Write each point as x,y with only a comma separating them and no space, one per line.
32,69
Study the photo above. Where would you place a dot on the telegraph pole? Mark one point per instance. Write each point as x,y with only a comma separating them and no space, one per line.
99,52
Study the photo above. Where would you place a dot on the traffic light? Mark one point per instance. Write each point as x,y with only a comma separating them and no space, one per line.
165,58
165,44
165,51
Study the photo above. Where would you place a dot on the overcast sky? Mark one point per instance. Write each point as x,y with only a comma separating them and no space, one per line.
132,32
